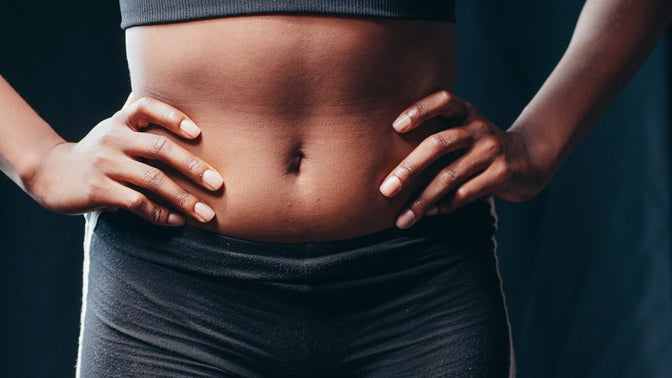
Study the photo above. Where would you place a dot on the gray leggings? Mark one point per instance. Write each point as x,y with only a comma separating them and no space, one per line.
423,302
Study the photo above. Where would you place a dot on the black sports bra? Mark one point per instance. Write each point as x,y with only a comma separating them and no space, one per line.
144,12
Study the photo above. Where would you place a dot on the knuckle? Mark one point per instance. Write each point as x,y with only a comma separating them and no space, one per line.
171,116
413,112
109,138
136,202
422,109
459,134
439,142
158,214
462,194
93,191
444,96
418,112
195,166
447,177
153,177
419,205
502,173
143,104
159,145
184,199
113,136
404,171
99,159
481,127
492,145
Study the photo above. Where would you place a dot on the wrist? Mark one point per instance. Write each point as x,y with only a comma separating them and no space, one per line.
33,164
542,155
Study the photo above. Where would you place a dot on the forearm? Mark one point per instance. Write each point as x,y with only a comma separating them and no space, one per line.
25,138
610,42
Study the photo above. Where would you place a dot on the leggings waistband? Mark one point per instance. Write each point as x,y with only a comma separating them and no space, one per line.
455,235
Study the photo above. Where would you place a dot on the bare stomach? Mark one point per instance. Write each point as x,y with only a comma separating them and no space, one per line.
296,114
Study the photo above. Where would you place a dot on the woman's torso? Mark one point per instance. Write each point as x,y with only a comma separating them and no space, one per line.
296,114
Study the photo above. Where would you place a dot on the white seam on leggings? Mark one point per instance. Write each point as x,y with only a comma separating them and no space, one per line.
91,220
512,357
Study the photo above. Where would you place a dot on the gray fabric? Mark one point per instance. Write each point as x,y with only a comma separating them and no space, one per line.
424,302
142,12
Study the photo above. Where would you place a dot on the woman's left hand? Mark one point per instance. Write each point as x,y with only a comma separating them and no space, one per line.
495,162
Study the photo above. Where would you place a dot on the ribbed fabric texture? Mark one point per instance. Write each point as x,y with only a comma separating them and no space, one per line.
143,12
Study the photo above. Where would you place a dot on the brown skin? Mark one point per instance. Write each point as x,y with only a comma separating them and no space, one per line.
263,88
295,112
95,173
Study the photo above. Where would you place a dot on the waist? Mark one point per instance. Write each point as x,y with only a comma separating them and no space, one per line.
444,240
305,180
296,113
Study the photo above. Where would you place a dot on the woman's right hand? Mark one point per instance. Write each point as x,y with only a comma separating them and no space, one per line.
105,169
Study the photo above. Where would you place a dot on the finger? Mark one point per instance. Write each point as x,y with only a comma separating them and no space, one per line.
427,152
444,182
126,198
157,182
487,149
146,111
161,148
441,103
486,183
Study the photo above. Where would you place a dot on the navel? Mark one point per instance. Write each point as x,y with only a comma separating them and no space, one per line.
294,161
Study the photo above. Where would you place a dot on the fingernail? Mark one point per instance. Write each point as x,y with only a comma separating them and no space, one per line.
175,219
212,179
402,122
432,210
189,128
390,186
204,211
406,219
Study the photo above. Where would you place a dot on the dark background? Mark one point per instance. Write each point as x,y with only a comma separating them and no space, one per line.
586,265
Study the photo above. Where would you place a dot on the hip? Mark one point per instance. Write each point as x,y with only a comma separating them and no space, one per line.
432,244
425,301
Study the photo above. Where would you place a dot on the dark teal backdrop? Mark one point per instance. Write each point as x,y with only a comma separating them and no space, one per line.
586,265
